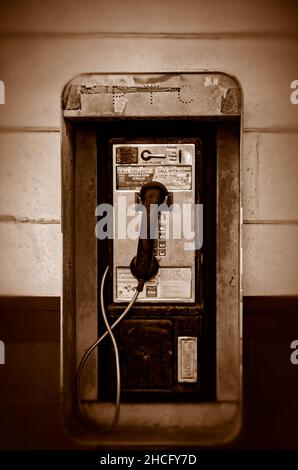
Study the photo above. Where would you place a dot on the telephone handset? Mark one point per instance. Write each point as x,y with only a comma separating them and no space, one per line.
145,265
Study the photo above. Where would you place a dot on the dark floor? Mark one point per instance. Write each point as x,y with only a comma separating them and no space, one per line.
29,382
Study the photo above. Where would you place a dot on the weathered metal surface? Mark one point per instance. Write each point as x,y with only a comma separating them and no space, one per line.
135,95
163,424
72,100
176,262
147,354
199,95
187,359
230,101
68,326
86,256
228,264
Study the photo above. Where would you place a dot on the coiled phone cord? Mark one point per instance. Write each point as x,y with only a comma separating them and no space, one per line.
91,424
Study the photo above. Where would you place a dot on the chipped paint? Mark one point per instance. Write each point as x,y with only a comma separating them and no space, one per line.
119,103
146,88
230,101
74,98
184,95
211,81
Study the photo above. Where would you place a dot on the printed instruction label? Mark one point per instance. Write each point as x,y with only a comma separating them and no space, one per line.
172,176
173,283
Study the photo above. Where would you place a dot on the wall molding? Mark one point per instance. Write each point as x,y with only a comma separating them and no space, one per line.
254,35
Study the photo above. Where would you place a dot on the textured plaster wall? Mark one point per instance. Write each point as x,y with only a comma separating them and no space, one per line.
44,44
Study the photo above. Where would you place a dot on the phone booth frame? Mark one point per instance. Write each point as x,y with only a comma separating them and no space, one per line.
205,96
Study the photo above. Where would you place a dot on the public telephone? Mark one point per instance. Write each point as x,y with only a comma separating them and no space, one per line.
151,308
155,265
172,165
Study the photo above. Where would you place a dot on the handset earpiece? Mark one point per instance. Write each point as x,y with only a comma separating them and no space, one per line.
145,265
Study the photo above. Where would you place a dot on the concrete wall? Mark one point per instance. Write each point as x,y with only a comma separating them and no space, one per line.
44,44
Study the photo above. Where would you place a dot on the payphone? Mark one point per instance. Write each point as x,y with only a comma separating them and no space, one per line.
155,260
151,285
172,165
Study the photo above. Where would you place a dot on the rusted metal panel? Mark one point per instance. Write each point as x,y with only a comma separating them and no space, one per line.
135,95
86,255
73,99
147,354
230,102
228,263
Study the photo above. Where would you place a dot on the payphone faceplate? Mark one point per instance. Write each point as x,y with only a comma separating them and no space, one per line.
173,165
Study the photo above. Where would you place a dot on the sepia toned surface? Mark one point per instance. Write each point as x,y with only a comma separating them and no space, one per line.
42,47
39,56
